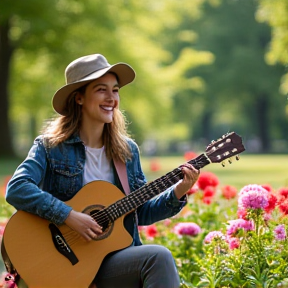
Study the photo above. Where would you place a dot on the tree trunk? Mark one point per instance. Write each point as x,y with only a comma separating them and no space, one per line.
262,113
6,147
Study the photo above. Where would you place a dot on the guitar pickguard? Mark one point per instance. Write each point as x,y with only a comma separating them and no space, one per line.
61,244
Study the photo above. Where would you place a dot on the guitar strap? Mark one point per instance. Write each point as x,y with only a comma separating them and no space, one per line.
122,174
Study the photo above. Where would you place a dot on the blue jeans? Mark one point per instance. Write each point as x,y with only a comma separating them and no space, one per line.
145,266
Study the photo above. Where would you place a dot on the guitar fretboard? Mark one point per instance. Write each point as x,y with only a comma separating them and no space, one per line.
150,190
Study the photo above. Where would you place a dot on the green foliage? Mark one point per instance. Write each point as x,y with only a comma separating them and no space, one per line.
259,262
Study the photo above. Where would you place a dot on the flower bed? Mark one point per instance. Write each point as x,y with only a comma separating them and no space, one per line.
223,237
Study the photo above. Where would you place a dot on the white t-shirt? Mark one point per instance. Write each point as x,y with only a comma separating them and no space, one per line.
97,166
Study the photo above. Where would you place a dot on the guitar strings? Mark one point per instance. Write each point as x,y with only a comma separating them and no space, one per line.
102,217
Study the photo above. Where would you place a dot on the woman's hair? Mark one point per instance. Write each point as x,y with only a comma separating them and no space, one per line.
115,133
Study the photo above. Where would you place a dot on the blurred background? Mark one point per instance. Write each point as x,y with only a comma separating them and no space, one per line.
204,68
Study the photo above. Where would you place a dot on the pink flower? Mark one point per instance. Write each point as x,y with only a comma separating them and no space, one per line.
214,235
187,228
253,196
167,222
279,232
207,179
233,243
2,227
238,224
7,280
242,213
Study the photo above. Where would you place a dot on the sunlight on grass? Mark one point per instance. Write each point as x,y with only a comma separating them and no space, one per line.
250,169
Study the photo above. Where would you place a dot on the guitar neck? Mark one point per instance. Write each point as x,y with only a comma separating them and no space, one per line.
150,190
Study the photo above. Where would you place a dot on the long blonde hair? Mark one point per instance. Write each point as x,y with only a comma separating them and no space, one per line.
114,135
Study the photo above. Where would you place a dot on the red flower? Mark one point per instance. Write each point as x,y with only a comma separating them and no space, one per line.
209,191
267,187
193,190
151,231
207,200
272,201
3,188
207,179
242,213
189,155
283,192
155,165
229,192
283,206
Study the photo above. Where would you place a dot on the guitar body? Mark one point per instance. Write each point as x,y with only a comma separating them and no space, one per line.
29,245
48,256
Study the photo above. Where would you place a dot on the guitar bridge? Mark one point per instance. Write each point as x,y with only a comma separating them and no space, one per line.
61,244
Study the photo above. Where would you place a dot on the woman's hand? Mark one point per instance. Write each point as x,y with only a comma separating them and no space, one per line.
190,177
84,224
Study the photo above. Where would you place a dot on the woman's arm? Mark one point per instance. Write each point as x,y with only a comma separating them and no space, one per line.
23,190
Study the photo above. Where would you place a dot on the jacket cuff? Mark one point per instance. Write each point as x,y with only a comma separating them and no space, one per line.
173,202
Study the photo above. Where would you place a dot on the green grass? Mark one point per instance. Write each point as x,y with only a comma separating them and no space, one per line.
250,169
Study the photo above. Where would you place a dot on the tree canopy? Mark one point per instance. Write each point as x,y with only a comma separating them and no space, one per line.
203,67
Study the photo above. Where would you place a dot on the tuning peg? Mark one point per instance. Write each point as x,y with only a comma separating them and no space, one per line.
230,161
223,164
237,157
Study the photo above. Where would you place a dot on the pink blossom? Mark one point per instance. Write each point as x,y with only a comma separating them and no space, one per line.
187,228
2,227
253,196
279,232
235,225
214,235
7,280
167,222
233,242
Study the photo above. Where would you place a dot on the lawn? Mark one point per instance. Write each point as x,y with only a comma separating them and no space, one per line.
250,169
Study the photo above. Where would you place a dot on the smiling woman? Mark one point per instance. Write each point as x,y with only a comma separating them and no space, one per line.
67,179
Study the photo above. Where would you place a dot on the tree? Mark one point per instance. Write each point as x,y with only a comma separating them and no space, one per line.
241,89
46,35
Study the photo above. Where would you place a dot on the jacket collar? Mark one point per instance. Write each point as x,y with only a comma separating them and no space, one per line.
75,138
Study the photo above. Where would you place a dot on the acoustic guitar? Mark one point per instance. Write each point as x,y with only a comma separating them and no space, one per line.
50,256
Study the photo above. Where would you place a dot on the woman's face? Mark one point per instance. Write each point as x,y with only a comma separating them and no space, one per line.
100,99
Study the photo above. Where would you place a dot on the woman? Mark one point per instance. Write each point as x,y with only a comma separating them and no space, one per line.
78,147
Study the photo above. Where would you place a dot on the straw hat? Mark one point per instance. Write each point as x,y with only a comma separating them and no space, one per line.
86,69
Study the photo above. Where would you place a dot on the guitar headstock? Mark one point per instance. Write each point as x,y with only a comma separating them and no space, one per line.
227,146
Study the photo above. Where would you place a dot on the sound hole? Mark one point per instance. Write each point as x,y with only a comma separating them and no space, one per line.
97,213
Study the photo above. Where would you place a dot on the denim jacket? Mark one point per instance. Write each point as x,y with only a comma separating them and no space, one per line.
50,176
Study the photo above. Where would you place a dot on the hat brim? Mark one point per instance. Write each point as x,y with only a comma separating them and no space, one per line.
124,72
